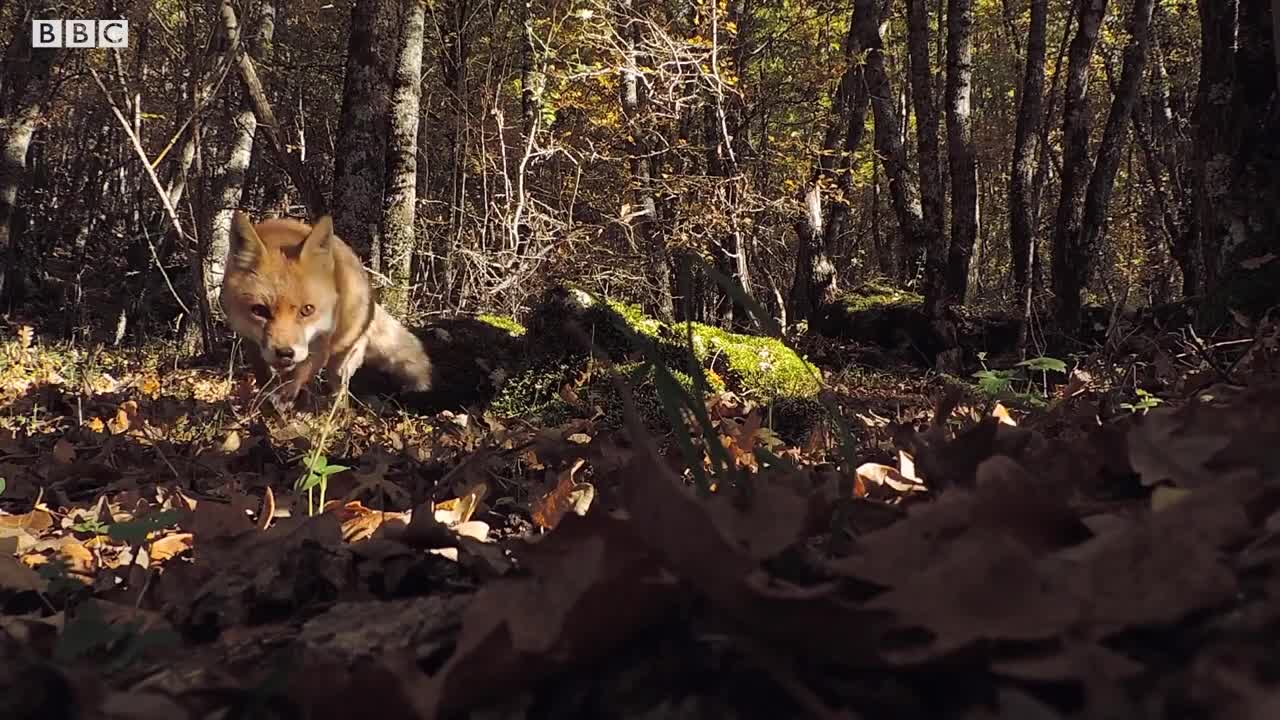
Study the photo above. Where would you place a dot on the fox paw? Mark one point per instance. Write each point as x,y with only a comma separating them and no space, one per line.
285,399
283,403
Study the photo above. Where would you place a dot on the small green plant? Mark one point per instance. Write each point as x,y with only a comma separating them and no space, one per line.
92,526
1145,402
317,476
1004,384
316,462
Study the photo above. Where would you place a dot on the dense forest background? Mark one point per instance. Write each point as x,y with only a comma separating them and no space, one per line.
1008,451
1023,156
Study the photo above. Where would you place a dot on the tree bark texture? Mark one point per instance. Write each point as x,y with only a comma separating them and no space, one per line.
1075,160
399,234
645,210
229,181
1162,143
1022,212
815,276
1245,226
932,189
1085,247
267,122
359,165
961,156
1214,145
728,158
24,96
455,63
904,195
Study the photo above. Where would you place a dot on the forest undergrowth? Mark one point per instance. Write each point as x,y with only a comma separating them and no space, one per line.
992,546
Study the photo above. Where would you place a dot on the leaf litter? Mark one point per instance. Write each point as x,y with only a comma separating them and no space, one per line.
158,562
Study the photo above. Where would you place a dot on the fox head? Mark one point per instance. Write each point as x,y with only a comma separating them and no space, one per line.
279,289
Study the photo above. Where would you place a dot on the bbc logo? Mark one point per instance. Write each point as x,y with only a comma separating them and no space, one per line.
79,33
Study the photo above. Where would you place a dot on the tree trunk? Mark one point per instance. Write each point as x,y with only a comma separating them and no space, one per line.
1045,160
932,190
726,159
1082,249
815,278
645,209
24,96
359,165
455,59
903,192
1214,146
1022,214
1247,223
529,80
229,181
267,122
1075,160
398,226
1160,141
961,156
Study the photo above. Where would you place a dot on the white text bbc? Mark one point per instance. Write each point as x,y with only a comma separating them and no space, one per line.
79,33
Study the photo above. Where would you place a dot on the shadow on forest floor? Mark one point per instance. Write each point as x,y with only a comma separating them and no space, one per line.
159,558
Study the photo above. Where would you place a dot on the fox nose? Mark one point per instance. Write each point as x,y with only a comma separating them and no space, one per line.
284,352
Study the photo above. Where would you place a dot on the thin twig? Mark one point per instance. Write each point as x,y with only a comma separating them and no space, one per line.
155,182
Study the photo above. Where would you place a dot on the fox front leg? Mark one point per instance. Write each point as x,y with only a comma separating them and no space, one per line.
286,396
262,372
343,365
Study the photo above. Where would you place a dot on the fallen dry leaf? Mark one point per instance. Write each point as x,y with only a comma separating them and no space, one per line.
877,474
474,529
16,577
168,546
36,521
770,521
517,630
982,586
1160,450
458,510
552,506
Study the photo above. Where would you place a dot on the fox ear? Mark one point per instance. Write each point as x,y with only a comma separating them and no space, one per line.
246,247
317,245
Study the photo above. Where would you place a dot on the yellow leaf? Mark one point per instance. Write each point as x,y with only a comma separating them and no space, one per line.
150,386
1002,413
170,545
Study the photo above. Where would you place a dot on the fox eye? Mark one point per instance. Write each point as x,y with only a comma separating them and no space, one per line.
308,309
261,311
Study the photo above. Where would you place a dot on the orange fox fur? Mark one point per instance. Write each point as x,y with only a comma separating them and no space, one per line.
301,298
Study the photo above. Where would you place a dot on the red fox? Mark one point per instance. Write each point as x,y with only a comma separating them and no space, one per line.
301,297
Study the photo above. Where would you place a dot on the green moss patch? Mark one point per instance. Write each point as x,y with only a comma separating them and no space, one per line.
873,295
762,367
884,316
558,379
502,322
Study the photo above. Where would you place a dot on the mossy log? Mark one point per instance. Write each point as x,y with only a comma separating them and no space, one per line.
559,378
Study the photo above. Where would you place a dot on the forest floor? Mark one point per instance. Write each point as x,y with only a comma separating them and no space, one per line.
1078,557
